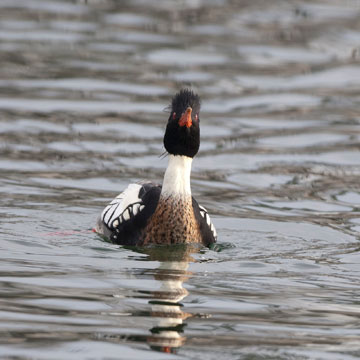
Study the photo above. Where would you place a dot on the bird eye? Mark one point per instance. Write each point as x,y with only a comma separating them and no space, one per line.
174,115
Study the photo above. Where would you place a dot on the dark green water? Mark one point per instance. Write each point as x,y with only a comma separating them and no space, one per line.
83,86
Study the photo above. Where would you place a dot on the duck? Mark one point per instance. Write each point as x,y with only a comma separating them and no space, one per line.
146,213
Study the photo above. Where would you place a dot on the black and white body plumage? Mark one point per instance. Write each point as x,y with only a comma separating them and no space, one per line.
147,213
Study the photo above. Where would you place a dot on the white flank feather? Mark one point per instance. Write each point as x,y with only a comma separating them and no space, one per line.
206,216
129,196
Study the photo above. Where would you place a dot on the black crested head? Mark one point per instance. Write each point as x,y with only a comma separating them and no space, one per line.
182,135
183,99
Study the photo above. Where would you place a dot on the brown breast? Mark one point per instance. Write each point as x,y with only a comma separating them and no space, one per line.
173,222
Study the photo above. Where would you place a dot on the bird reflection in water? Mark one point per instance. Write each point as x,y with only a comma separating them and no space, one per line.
168,333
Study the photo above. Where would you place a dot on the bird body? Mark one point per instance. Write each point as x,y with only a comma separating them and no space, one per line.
147,213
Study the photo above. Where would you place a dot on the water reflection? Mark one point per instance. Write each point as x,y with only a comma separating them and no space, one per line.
168,333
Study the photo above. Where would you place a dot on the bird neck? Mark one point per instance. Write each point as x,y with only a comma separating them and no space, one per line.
177,177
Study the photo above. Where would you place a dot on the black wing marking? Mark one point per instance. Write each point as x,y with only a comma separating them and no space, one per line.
126,205
204,213
131,211
207,228
126,227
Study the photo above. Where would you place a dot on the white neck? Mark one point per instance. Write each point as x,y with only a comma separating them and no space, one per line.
177,176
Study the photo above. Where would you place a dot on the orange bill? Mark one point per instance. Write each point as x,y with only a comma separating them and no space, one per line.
185,119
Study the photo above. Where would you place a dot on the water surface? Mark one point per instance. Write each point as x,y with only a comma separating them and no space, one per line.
83,87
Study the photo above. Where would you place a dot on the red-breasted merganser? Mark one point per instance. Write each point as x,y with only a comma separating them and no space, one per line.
146,213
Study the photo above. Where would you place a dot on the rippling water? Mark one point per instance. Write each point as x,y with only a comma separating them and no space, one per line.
83,86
